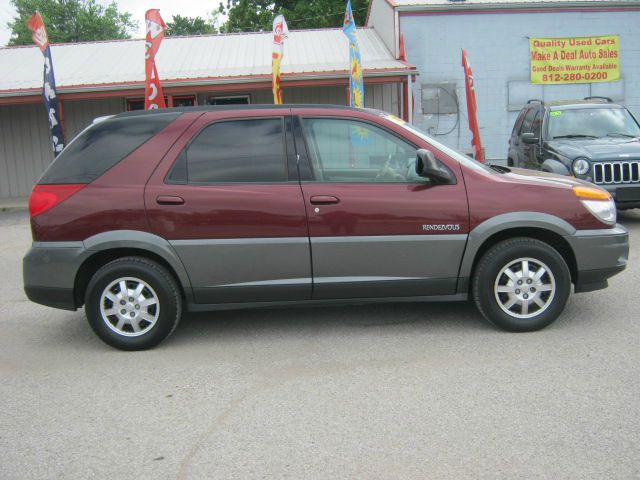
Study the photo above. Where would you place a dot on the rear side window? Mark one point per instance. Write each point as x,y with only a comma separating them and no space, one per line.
102,146
516,126
528,121
235,151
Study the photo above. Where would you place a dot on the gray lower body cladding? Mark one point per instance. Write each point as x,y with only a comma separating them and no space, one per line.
49,270
321,268
600,254
260,272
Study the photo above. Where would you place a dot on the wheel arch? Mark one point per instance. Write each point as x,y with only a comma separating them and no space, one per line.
104,248
546,228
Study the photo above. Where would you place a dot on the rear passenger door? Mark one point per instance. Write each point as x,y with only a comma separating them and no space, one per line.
228,200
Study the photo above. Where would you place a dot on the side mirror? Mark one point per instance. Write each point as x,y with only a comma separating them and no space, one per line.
428,166
530,138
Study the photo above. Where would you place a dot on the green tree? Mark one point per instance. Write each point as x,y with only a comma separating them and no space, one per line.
180,25
257,15
71,21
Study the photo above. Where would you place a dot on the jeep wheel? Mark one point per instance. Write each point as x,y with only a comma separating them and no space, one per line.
133,303
521,284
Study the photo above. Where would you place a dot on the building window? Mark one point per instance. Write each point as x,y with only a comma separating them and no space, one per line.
178,101
230,100
184,100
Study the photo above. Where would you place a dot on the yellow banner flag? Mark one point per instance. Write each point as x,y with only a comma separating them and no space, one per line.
280,33
575,59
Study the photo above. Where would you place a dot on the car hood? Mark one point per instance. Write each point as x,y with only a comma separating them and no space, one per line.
597,149
544,178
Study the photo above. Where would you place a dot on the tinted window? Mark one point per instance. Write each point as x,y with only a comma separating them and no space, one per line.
352,151
536,127
516,126
238,151
103,145
528,121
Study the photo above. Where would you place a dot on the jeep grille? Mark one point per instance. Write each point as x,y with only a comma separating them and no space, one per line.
616,172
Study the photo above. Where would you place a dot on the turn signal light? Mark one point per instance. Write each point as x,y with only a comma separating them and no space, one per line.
590,193
45,197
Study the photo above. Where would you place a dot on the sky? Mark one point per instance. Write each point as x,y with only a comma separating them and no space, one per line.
168,8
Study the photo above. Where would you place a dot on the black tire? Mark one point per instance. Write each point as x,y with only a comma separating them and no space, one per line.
157,284
510,162
488,279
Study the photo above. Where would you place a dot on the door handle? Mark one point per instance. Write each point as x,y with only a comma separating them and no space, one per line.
169,200
324,200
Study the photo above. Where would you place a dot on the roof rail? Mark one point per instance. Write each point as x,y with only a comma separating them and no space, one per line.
599,98
535,100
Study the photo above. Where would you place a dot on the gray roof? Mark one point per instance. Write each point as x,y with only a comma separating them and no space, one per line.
194,60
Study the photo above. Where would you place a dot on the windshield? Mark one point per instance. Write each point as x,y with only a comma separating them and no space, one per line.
460,157
592,122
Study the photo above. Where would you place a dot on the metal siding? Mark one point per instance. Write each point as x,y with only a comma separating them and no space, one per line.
26,148
433,44
80,113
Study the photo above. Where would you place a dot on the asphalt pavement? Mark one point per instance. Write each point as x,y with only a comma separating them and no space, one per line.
420,391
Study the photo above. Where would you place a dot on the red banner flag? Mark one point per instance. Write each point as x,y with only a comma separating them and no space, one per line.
472,108
49,93
153,97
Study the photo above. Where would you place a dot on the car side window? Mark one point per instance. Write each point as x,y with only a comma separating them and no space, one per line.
527,123
518,124
346,151
234,151
536,127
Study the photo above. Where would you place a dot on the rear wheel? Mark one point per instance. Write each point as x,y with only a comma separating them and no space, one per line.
521,284
133,303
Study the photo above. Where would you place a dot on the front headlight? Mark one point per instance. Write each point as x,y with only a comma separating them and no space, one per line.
581,166
598,202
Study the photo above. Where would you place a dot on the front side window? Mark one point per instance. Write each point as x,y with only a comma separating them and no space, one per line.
352,151
236,151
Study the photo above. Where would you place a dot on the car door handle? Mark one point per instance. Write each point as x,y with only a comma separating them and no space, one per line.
324,200
169,200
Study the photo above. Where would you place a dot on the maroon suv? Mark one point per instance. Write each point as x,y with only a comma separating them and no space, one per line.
145,214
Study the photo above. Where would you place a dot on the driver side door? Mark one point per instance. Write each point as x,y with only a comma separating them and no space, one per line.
376,228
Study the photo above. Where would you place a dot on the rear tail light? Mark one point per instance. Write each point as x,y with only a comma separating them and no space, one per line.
45,197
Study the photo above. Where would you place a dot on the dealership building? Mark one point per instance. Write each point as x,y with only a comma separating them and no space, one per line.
419,78
496,36
104,78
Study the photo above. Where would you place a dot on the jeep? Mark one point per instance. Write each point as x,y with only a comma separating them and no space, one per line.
592,139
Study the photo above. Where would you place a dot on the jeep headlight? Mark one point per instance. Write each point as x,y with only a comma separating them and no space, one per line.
598,202
580,166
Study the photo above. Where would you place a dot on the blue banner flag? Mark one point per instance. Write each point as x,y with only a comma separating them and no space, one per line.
49,95
356,82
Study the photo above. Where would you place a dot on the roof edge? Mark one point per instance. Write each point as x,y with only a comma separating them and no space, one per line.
195,82
504,5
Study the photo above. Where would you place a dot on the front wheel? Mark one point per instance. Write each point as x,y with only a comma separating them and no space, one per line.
521,284
133,303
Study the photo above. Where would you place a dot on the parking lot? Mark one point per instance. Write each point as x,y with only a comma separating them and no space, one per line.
391,391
